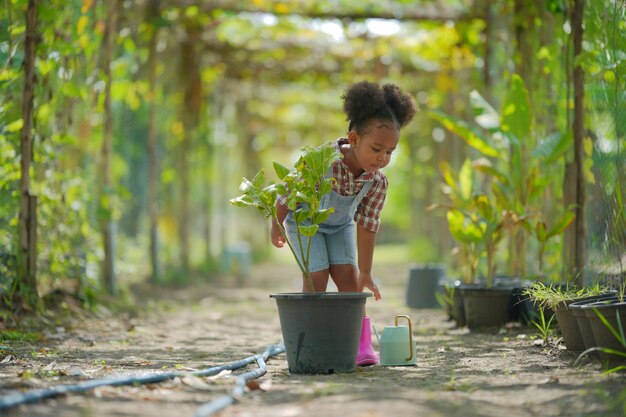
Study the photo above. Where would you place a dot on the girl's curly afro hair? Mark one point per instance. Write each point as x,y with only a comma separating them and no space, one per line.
365,102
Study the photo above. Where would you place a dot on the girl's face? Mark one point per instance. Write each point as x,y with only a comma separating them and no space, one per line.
373,149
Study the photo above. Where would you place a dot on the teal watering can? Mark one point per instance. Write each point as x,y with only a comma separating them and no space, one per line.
396,344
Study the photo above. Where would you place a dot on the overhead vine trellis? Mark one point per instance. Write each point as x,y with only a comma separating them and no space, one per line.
230,81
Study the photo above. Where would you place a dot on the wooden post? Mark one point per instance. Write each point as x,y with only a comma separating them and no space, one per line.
108,267
579,135
27,250
153,163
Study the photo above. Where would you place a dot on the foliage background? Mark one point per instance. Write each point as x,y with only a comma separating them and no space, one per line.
240,84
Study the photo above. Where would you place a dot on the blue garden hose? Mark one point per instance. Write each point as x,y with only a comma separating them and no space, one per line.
13,400
240,385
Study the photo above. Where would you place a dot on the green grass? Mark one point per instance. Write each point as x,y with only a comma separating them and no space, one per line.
18,336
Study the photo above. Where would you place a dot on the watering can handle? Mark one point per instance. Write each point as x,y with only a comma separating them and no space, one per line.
410,333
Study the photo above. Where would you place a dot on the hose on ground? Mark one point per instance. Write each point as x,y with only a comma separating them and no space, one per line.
240,384
13,400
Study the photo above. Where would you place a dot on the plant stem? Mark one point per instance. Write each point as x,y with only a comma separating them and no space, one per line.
308,257
305,270
490,266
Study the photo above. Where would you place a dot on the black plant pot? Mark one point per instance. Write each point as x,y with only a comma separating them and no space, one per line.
584,339
572,336
422,286
486,307
453,297
321,330
609,308
521,307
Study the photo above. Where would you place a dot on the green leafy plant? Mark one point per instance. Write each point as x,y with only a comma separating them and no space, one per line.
544,328
543,233
303,186
492,222
513,158
459,191
476,221
550,296
445,298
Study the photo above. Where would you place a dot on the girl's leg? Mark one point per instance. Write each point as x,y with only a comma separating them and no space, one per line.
345,277
342,258
320,281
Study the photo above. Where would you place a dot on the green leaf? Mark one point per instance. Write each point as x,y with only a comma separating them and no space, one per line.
309,230
14,126
516,117
258,179
322,215
540,231
292,202
281,171
466,179
302,214
484,165
326,186
242,201
461,228
281,189
446,172
564,222
246,186
485,115
553,147
472,138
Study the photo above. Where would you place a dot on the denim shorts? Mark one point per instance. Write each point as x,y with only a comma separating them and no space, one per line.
329,246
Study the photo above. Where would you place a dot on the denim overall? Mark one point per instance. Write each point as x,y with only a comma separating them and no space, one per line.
334,243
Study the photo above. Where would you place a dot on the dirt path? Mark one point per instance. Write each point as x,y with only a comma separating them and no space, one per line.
458,373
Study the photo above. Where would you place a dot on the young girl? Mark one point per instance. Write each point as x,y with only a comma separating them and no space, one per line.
375,114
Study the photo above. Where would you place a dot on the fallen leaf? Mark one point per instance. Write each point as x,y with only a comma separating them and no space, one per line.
7,359
224,372
266,385
551,380
253,385
195,382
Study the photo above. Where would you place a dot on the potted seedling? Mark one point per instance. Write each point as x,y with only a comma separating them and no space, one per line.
320,330
459,190
576,331
478,223
518,164
488,305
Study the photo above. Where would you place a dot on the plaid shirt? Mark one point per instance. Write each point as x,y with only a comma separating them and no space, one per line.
368,211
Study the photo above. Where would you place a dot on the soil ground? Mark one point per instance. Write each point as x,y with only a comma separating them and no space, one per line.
459,373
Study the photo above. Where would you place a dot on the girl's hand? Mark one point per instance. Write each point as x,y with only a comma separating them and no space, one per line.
277,237
366,281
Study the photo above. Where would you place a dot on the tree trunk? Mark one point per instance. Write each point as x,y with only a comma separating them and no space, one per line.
108,228
153,163
524,13
488,51
191,112
27,255
579,135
